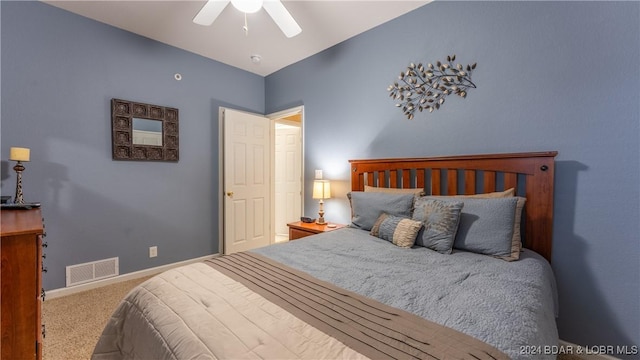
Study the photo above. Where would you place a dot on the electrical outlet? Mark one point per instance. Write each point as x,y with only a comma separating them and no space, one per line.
318,174
153,251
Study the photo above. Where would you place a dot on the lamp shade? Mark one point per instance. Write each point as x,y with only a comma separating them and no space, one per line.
321,189
19,154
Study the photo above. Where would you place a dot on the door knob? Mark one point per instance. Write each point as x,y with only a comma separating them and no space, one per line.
230,193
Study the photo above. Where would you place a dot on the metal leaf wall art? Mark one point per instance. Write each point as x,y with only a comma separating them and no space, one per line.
426,87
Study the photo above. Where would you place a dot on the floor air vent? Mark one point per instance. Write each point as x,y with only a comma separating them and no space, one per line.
91,271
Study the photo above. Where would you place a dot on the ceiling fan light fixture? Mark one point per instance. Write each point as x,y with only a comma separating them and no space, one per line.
280,15
247,6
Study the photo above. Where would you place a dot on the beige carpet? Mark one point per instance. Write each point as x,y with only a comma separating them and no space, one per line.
74,323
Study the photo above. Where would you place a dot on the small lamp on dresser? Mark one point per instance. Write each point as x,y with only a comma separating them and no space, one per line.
321,190
19,155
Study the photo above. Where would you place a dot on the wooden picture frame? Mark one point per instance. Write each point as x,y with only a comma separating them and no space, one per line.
123,115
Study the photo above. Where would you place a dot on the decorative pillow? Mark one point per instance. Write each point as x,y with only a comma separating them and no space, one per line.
400,231
486,225
366,207
416,191
440,219
498,194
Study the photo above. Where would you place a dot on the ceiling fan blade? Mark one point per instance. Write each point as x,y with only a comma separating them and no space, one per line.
210,11
282,18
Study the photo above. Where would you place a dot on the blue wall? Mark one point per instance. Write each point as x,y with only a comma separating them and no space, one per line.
551,76
59,73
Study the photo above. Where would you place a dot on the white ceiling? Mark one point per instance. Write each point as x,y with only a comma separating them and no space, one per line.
324,23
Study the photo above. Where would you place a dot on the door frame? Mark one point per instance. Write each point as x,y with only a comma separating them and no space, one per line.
272,117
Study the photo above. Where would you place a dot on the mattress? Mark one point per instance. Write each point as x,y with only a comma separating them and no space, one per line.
509,305
203,312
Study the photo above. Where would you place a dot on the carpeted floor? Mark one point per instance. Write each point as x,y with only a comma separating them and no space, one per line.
74,323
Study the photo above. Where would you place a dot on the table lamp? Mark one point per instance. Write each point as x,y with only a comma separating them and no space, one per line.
321,190
19,155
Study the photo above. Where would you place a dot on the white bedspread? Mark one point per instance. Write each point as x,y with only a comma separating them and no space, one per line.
210,317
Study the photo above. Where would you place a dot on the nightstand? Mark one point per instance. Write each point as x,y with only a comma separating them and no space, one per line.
299,229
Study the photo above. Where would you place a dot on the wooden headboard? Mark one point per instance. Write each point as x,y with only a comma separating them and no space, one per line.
531,174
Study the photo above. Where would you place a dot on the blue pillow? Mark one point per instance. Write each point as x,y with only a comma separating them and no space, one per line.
440,219
366,207
486,225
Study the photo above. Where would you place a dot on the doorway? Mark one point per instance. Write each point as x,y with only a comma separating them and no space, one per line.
244,208
288,173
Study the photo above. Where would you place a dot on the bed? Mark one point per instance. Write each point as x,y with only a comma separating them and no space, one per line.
363,291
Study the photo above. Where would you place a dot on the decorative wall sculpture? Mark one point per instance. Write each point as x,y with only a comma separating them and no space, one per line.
425,88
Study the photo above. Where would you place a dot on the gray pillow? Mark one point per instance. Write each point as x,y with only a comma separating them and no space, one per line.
486,225
440,219
366,207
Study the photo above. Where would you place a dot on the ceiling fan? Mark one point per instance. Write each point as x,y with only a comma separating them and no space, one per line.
212,9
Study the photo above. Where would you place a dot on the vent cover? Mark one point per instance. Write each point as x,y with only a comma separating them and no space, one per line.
92,271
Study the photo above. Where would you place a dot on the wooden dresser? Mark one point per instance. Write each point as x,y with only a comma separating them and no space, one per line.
21,287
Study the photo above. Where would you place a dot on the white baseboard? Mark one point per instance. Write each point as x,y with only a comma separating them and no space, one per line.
582,354
56,293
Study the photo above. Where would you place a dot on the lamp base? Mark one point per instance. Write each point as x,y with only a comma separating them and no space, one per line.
19,168
320,220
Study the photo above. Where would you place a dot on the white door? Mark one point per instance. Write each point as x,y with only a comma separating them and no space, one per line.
288,177
247,174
